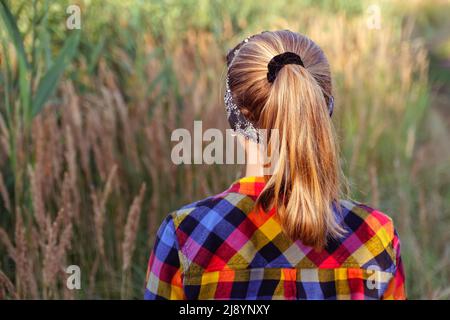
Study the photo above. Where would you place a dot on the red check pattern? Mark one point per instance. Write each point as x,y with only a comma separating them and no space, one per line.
223,248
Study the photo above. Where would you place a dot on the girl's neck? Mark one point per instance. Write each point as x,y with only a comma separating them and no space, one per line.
254,170
254,165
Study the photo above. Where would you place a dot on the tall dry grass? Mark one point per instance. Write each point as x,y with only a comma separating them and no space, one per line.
89,179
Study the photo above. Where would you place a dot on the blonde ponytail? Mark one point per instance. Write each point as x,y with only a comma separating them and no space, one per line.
306,179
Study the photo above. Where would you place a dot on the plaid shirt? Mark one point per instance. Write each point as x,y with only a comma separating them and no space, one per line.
222,248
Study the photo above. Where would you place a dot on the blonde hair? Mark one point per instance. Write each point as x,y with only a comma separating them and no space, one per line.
307,178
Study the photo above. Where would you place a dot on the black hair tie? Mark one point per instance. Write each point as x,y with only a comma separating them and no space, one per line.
279,61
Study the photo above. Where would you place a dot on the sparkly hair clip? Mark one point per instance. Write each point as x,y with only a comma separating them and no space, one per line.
238,122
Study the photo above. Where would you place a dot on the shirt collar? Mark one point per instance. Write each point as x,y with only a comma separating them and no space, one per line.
249,185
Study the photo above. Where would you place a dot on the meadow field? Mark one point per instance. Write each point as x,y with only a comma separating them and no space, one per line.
86,116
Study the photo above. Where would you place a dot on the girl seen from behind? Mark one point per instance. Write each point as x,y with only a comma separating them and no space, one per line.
290,233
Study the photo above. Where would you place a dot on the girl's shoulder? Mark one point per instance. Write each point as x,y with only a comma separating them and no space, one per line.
370,225
361,212
214,207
